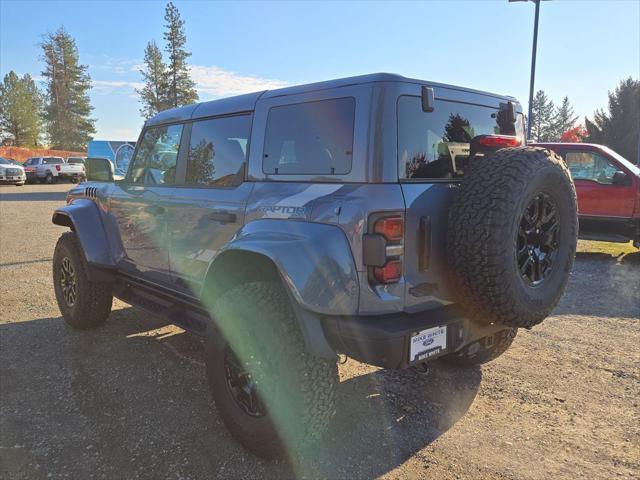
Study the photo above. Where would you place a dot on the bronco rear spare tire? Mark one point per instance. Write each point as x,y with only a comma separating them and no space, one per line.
512,236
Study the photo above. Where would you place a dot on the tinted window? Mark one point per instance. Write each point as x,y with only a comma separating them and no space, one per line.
436,144
218,151
4,162
310,138
590,166
155,160
52,160
72,160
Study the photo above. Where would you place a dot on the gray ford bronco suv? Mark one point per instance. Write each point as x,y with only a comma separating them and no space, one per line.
391,220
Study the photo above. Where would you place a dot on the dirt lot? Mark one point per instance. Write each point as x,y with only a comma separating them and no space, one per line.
130,400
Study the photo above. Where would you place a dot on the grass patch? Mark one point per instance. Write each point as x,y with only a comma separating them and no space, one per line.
614,249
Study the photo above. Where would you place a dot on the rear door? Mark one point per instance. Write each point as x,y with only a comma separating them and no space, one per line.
598,196
140,204
433,151
208,206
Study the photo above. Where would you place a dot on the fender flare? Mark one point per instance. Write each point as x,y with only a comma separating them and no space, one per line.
83,217
314,263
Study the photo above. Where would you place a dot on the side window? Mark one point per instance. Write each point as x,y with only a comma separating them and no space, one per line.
314,138
435,145
155,160
218,151
590,166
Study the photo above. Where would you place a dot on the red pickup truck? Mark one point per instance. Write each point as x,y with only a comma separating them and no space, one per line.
608,189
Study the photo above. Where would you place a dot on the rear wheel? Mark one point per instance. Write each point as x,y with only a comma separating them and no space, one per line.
82,302
512,236
273,396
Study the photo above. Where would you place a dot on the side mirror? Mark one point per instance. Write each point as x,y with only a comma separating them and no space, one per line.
99,170
621,178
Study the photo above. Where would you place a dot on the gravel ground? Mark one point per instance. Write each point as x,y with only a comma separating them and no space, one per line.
130,400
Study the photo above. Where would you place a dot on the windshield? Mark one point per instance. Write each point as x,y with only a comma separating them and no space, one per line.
52,160
74,160
4,161
626,163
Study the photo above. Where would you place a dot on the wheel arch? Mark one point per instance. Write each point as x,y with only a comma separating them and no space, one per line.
234,267
83,218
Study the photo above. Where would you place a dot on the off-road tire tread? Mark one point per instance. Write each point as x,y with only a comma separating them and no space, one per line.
95,299
318,377
479,215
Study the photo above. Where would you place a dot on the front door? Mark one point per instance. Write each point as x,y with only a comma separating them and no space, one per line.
598,196
140,204
208,208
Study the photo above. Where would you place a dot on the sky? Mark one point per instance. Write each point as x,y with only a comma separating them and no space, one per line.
585,46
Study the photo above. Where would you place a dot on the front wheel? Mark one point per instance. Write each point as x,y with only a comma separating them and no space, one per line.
273,395
82,302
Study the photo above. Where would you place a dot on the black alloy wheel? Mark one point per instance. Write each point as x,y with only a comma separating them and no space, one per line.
241,386
538,236
68,282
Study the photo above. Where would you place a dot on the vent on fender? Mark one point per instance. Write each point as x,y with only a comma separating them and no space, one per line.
91,192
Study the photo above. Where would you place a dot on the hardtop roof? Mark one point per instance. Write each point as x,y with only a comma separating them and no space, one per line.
246,102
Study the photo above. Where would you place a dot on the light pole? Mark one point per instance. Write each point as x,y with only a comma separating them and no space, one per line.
533,61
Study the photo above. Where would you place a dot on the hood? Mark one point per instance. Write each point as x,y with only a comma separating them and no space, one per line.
4,167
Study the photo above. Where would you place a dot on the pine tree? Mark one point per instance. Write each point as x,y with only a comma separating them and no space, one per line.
68,107
181,89
565,119
619,128
154,94
543,118
20,110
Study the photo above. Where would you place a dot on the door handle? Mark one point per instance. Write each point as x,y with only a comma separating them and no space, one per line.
222,216
154,209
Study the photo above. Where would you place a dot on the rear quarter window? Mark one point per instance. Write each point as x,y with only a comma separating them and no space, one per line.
313,138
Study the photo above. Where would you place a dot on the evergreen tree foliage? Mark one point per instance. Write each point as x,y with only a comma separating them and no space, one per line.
565,119
21,106
153,95
68,107
543,118
181,89
619,128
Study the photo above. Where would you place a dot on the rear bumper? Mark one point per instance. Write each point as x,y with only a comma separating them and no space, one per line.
70,175
384,341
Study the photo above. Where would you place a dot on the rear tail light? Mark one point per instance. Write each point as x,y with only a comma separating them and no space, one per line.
383,249
58,167
390,273
392,228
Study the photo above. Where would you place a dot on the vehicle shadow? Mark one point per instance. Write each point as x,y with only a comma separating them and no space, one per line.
385,417
616,279
130,400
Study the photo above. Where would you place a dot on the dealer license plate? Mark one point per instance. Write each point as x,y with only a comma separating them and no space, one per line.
428,343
